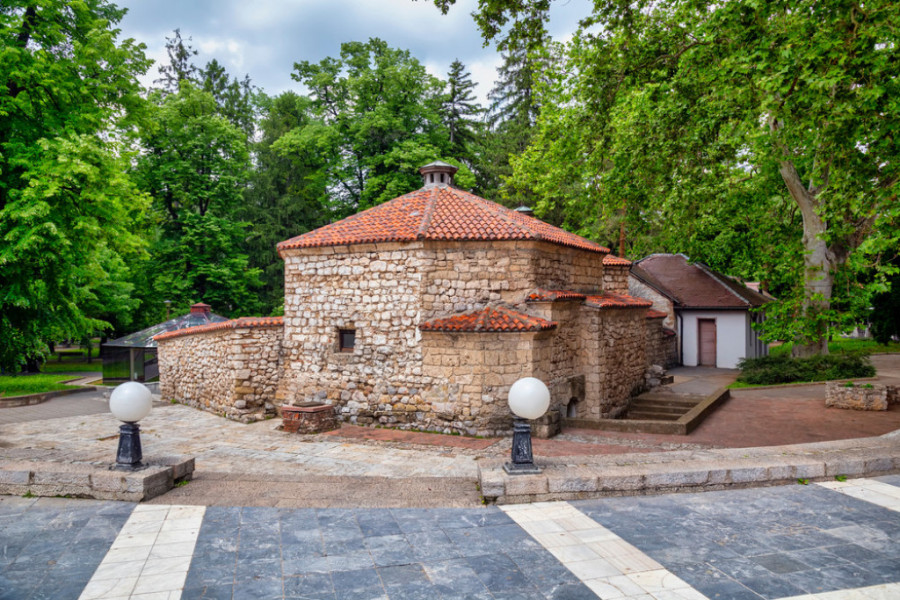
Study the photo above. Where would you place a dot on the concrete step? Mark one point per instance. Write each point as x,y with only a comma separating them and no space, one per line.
658,407
646,415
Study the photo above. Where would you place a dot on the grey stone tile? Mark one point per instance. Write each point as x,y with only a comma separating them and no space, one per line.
362,584
454,577
413,591
779,563
217,592
729,590
817,558
499,573
853,553
774,586
257,570
543,570
888,569
402,574
454,518
303,565
377,523
313,586
838,577
569,591
355,561
435,545
259,589
212,576
390,550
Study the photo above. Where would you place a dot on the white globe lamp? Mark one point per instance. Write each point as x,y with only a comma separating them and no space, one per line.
529,398
130,402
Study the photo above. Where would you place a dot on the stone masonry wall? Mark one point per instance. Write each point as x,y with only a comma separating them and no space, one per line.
228,371
472,374
640,289
373,289
615,279
662,347
613,355
462,276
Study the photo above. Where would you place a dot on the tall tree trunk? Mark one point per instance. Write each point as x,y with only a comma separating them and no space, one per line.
818,263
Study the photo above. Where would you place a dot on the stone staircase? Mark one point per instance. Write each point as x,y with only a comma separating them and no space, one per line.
661,406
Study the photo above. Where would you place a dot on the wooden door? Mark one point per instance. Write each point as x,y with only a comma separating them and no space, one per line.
707,338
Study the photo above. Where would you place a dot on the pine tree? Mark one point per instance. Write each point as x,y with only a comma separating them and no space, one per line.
461,112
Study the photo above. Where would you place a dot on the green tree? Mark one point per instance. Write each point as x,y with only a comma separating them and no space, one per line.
692,101
195,165
377,120
461,114
286,195
68,98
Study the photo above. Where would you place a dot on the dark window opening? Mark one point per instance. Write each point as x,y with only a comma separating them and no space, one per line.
442,178
572,409
346,340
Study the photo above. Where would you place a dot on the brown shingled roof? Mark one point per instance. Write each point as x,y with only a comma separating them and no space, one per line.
489,319
694,285
438,213
241,323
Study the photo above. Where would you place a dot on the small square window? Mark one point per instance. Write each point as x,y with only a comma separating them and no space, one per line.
346,340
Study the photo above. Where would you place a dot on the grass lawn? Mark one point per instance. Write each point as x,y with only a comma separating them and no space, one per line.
844,345
17,385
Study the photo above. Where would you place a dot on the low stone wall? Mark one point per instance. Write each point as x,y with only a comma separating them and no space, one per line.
867,396
662,347
230,368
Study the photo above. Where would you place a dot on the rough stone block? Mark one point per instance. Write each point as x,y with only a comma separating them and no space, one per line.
621,482
525,485
748,474
492,482
15,477
856,397
810,470
676,479
572,480
850,467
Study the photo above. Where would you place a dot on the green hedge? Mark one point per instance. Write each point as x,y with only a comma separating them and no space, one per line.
771,370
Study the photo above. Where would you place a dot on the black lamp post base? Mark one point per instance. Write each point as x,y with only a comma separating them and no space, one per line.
522,462
129,454
519,469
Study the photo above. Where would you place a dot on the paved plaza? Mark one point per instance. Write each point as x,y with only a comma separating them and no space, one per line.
817,541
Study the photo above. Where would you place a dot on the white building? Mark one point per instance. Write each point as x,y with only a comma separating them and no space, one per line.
711,313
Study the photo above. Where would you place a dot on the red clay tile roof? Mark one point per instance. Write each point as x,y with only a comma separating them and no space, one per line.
694,285
540,295
656,314
611,260
489,319
610,300
668,332
241,323
438,213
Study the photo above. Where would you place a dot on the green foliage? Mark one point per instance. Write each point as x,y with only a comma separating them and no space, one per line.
196,166
68,98
695,119
286,195
460,113
773,370
885,317
19,385
377,120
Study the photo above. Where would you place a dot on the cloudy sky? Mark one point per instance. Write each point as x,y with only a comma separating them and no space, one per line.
264,38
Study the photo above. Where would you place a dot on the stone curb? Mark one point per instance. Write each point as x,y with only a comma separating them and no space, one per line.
94,480
690,470
32,399
801,384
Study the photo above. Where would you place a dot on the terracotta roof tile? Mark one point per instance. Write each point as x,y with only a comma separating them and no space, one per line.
656,314
241,323
540,295
438,213
610,300
489,319
611,260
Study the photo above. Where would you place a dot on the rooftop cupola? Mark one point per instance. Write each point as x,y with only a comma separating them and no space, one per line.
438,174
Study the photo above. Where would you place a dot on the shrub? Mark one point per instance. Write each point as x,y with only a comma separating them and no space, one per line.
770,370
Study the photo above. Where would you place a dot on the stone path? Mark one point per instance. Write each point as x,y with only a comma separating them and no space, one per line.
800,542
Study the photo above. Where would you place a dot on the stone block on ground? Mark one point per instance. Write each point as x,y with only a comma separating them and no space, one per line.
852,396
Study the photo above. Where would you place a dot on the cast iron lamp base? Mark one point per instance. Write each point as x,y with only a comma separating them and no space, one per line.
129,455
522,458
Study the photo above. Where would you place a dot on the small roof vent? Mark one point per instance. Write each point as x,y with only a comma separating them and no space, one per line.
200,309
525,210
438,174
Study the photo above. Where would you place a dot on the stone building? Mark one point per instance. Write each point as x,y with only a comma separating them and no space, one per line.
420,313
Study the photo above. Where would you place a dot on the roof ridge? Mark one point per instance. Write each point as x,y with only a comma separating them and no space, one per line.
715,276
430,209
